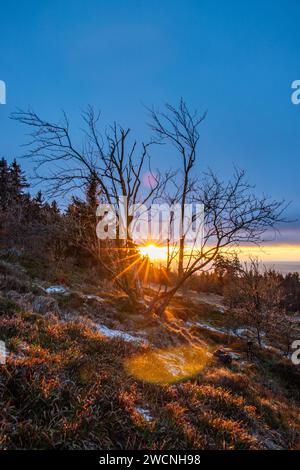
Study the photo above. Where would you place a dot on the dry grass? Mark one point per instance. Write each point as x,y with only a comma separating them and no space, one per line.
65,386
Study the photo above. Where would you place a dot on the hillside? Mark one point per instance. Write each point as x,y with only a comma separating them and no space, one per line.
84,371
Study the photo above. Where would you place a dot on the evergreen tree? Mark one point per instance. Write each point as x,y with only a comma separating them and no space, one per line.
92,193
12,184
54,208
17,182
4,184
39,200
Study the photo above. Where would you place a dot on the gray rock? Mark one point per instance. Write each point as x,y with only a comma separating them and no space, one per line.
44,305
223,356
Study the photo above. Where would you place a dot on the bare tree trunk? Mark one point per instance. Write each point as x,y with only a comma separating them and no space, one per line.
180,257
258,337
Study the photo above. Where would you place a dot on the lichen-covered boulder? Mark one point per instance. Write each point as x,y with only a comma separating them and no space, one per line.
44,305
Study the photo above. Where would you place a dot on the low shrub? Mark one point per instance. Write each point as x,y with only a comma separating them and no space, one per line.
7,306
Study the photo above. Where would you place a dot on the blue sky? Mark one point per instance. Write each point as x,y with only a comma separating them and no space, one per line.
234,59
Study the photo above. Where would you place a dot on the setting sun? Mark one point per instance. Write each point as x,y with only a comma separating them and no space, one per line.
153,252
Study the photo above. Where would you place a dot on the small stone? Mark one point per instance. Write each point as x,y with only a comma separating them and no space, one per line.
223,356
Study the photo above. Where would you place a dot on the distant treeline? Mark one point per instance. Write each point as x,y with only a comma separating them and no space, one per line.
30,225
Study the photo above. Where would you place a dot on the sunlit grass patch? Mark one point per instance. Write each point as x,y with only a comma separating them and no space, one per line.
169,365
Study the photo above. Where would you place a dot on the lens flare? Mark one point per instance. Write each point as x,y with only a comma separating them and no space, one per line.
170,365
154,252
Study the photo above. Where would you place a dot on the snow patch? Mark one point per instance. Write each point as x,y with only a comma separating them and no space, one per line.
247,333
234,355
119,334
214,329
56,290
94,297
144,412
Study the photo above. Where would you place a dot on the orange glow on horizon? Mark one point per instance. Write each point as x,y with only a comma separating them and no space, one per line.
271,253
265,253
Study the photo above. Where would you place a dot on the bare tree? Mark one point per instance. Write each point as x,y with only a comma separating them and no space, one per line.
257,299
233,215
285,331
179,127
110,158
